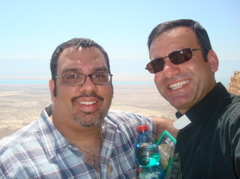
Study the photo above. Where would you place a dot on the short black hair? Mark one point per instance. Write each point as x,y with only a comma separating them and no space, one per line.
201,33
74,43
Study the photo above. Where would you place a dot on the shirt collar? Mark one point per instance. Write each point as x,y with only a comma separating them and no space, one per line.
52,140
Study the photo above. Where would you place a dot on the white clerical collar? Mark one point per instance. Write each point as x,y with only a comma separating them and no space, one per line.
181,122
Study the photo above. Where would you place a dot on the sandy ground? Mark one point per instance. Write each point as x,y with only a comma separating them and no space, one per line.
22,104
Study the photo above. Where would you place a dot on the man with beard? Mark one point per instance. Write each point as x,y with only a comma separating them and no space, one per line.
76,136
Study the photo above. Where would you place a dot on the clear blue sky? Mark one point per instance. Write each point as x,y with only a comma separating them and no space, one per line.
30,30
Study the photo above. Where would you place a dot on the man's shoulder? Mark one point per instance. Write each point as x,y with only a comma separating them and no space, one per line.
21,137
235,100
127,119
122,113
125,116
229,115
233,109
232,106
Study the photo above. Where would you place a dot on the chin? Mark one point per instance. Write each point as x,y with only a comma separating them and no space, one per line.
88,120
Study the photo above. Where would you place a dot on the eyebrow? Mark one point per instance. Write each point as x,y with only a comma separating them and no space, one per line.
104,69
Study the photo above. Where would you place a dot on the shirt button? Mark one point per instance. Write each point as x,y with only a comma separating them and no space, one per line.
110,168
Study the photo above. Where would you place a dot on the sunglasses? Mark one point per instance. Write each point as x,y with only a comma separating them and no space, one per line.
176,57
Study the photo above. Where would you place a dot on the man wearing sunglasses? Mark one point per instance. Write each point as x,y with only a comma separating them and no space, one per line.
184,64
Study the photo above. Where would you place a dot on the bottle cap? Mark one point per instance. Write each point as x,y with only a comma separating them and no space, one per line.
142,128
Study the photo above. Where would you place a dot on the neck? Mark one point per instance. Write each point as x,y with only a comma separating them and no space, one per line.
76,133
88,140
88,137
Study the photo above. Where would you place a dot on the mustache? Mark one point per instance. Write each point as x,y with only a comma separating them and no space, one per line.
88,95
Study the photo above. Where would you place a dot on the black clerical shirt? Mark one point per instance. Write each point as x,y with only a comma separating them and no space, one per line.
209,147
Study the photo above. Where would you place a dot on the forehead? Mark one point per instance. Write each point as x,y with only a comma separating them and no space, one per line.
80,53
81,58
174,39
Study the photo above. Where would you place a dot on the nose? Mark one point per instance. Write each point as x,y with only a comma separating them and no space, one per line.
170,69
88,85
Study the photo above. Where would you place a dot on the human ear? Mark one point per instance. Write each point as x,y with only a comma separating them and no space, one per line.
213,60
51,87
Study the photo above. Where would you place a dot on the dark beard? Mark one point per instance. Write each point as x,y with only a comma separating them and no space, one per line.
88,120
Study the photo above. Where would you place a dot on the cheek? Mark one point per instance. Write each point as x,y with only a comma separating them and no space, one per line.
109,92
158,84
64,92
157,80
200,71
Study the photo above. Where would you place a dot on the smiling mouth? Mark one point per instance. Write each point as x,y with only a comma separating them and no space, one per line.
87,102
178,85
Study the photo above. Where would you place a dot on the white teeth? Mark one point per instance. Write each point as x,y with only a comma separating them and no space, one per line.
178,84
87,102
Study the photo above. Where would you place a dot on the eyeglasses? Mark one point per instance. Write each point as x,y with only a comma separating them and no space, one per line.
176,57
77,79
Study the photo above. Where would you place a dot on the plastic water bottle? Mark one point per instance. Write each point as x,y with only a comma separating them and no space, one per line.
148,155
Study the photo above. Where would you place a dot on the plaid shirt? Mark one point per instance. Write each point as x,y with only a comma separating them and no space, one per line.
40,151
